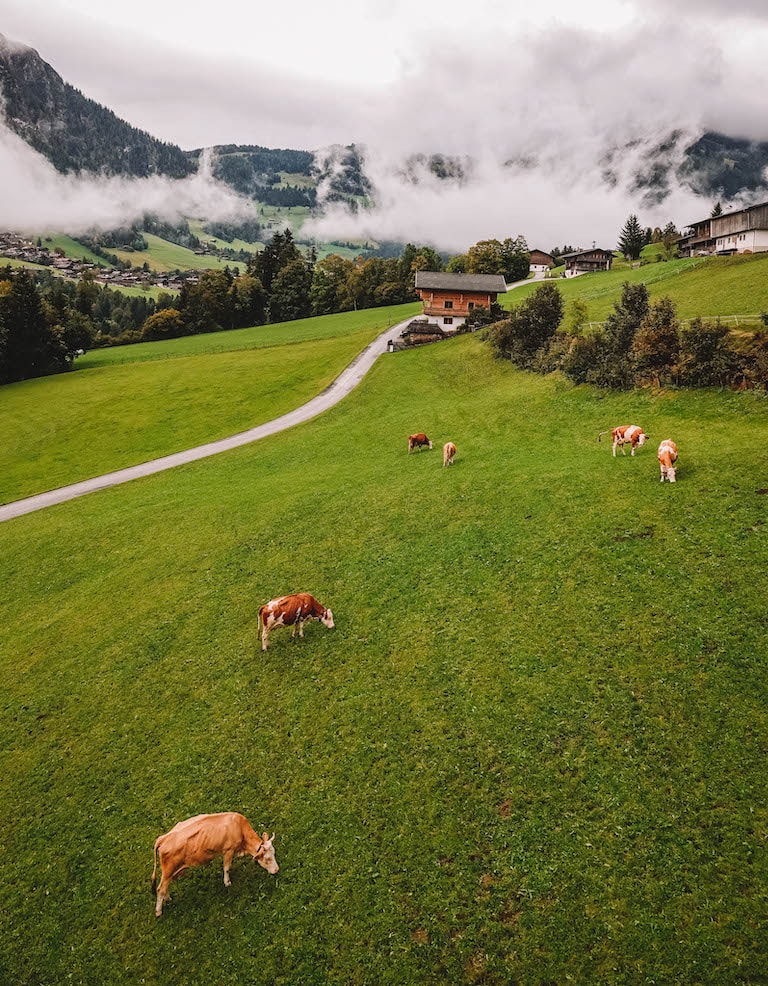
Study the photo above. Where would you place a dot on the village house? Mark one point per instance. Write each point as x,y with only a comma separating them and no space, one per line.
743,231
449,298
541,262
586,261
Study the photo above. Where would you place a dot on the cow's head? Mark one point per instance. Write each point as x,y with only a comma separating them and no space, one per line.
265,854
643,438
327,618
671,473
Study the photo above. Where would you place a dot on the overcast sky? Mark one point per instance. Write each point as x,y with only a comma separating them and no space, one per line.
498,80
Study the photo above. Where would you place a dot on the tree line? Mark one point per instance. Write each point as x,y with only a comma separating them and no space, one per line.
45,321
641,343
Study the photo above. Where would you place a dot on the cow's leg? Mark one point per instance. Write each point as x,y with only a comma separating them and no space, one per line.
264,637
614,449
301,627
227,863
162,894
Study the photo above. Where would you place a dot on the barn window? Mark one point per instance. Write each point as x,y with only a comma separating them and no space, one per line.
447,321
471,305
449,304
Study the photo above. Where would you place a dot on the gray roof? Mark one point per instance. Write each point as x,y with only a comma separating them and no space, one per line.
583,253
430,280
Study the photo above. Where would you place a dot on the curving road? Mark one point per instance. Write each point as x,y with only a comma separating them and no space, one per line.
346,382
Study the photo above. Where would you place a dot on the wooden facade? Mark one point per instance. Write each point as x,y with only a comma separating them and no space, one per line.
587,261
541,261
449,298
743,231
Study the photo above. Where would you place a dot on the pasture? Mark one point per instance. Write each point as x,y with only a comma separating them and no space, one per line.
699,286
532,750
127,404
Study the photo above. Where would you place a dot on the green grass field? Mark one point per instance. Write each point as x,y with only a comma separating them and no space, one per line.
163,256
71,248
196,227
532,750
133,403
699,286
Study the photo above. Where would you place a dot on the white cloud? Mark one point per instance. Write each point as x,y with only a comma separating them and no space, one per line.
564,89
44,200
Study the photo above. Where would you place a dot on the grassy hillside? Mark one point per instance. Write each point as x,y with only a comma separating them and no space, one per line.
533,749
71,248
698,286
134,403
163,256
281,333
196,228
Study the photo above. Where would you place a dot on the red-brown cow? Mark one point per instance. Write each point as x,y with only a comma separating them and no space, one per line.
292,611
449,453
200,839
626,434
419,440
667,456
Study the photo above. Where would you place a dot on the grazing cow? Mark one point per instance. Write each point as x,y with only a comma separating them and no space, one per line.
292,611
667,456
418,441
626,433
200,839
449,454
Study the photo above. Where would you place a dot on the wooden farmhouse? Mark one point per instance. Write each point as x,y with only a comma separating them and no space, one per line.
449,298
744,231
586,261
541,262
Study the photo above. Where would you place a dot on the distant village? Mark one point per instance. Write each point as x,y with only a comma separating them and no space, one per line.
16,247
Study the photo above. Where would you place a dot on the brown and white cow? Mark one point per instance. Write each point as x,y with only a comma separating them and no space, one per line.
419,440
449,453
626,434
292,611
667,456
200,839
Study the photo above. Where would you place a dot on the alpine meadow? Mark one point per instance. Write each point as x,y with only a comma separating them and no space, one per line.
531,750
383,488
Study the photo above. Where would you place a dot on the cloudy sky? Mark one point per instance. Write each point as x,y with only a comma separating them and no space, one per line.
552,89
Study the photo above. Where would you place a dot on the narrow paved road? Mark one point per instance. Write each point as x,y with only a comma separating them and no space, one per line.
346,382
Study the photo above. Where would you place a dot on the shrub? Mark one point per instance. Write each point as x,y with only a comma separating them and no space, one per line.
529,326
707,358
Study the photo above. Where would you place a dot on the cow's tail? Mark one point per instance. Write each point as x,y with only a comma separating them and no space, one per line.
260,622
601,433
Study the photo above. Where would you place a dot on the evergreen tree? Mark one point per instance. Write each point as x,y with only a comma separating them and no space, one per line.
30,348
631,239
290,296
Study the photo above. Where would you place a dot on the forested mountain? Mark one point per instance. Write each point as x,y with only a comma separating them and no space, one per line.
74,132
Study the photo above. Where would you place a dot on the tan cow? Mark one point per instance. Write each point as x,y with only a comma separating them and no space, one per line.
419,440
667,456
292,611
449,454
200,839
626,434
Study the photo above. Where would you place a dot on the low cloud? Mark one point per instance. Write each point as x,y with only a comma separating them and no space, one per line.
45,200
558,122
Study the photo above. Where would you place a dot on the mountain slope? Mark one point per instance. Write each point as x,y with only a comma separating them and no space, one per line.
74,132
